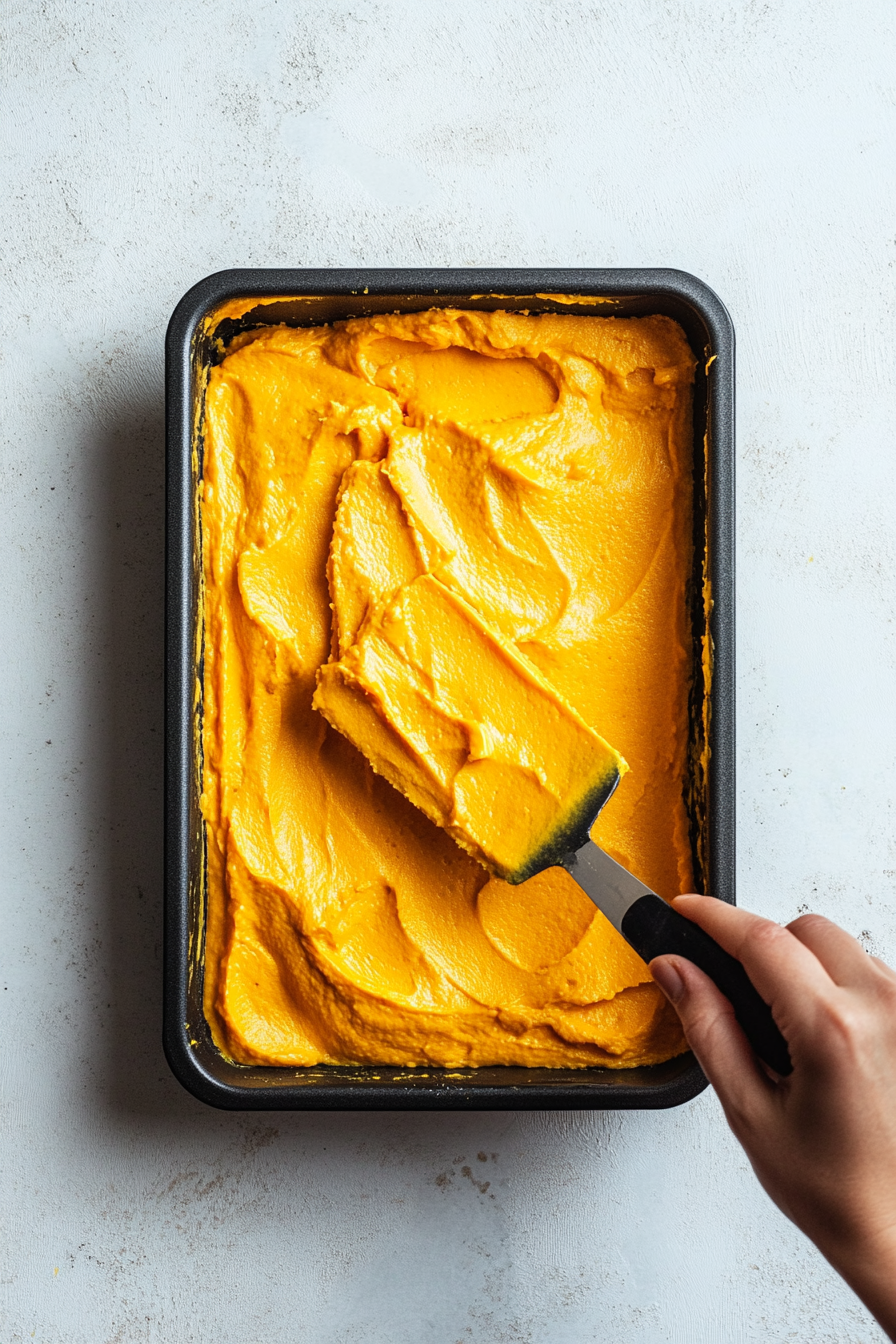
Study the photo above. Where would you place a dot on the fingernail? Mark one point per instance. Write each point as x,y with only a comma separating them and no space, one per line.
668,979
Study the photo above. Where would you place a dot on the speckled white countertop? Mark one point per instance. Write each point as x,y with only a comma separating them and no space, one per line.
148,144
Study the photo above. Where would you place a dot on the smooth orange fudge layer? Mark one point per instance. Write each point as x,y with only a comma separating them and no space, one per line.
377,495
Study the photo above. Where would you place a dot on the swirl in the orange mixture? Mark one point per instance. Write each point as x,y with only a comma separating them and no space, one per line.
539,470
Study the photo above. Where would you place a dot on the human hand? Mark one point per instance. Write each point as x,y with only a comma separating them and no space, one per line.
823,1140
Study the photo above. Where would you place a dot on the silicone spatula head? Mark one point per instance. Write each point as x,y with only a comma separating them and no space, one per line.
471,732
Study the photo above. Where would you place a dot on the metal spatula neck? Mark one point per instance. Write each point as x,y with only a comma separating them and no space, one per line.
612,888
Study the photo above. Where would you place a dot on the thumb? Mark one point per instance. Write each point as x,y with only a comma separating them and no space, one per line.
714,1035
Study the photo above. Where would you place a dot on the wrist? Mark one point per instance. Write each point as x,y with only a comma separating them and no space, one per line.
868,1264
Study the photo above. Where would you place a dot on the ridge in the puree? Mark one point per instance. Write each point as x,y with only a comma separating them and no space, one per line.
521,487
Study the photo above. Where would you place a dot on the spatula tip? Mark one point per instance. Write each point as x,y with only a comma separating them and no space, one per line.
572,830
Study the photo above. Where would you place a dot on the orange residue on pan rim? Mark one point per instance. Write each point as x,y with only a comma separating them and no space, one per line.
539,467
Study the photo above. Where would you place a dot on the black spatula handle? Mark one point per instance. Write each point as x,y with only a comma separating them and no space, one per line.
654,929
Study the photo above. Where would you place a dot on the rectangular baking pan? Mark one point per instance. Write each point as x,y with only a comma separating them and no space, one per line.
314,297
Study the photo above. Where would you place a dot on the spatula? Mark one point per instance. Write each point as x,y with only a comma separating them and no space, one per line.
653,928
473,734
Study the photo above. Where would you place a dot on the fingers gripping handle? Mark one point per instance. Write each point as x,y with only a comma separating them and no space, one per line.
654,929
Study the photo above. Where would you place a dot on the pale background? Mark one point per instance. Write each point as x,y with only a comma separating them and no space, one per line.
148,144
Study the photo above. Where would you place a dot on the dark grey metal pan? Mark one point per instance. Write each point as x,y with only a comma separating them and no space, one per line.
193,342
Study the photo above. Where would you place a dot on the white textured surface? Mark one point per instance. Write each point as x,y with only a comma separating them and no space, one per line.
148,144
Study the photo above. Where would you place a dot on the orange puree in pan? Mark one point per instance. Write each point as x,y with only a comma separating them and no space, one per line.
514,492
466,727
